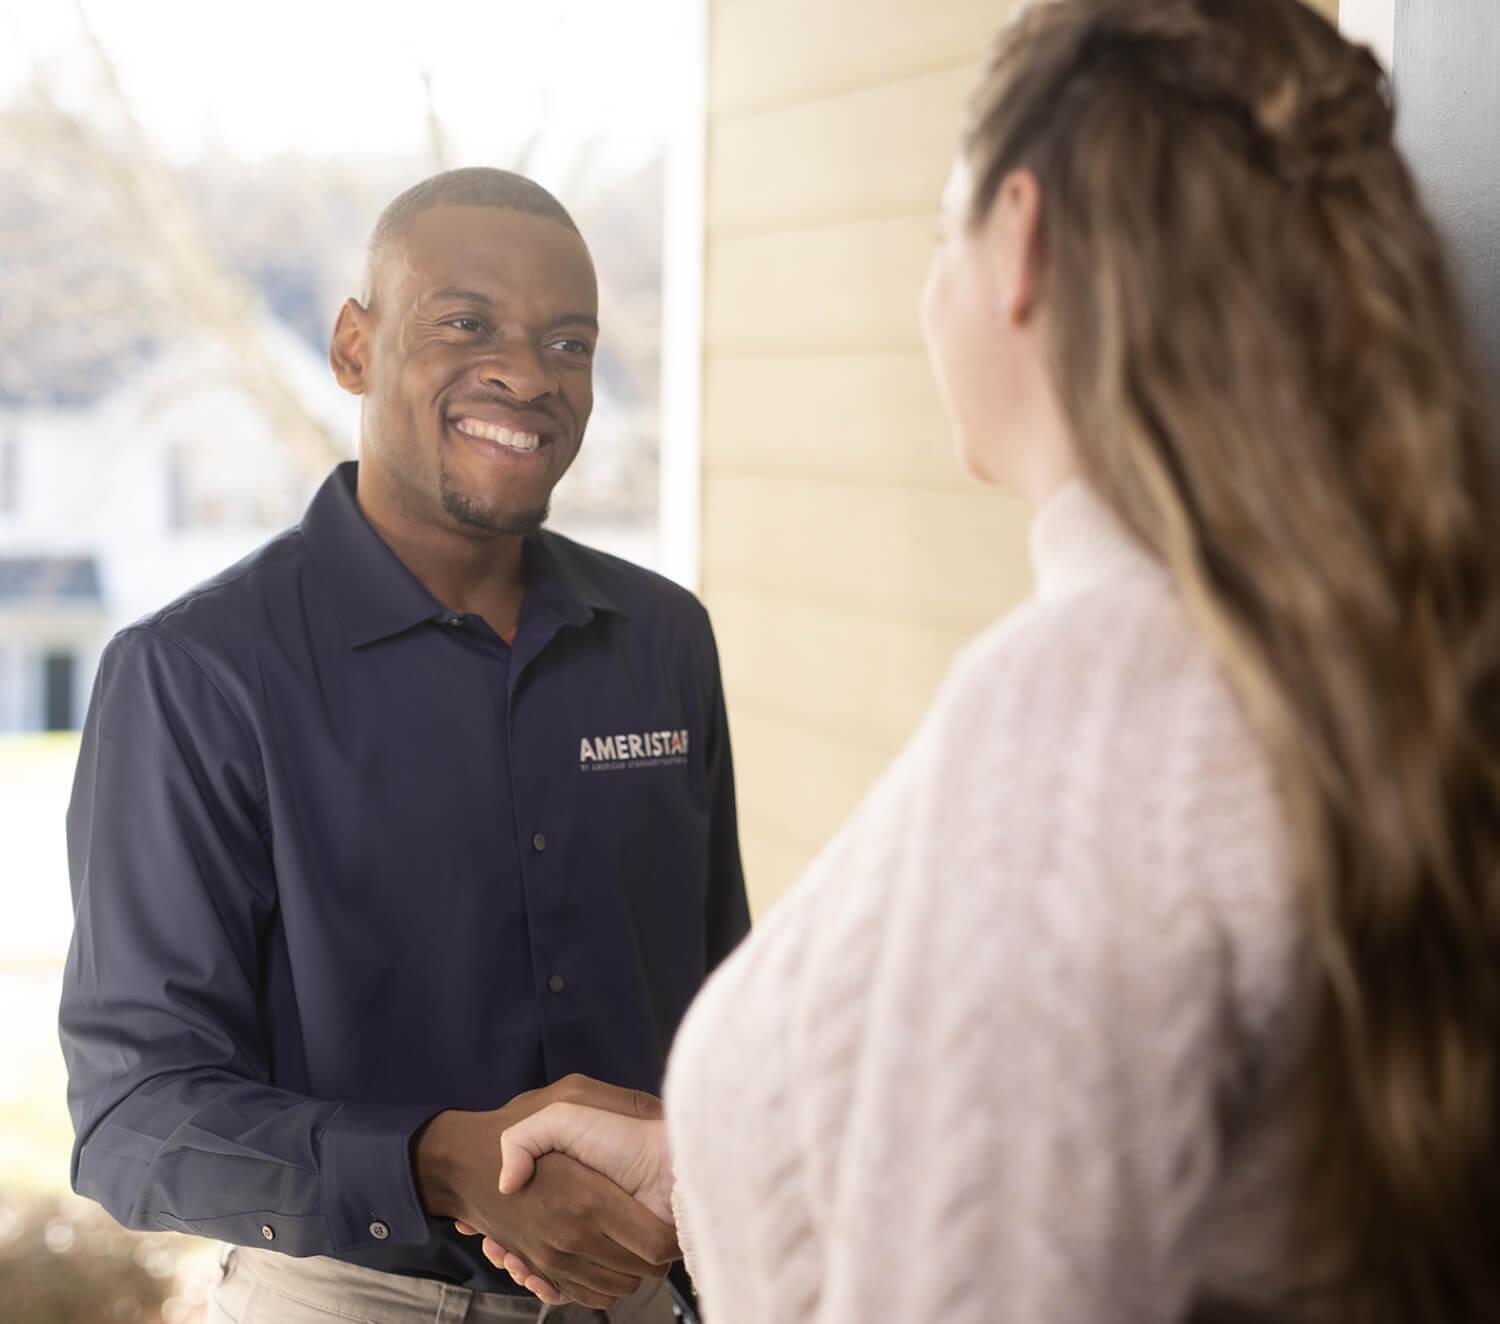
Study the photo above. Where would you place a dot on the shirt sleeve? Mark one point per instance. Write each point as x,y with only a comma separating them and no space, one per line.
177,1123
728,908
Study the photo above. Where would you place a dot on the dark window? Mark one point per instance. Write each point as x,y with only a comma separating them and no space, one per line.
58,672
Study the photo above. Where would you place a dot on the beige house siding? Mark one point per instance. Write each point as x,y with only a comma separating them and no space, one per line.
845,558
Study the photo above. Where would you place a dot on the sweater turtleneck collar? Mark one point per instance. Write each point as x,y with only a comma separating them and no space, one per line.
1077,541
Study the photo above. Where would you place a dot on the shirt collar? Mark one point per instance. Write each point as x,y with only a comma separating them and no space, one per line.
557,575
378,597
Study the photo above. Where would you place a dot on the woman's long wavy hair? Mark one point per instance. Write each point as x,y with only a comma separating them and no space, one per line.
1263,361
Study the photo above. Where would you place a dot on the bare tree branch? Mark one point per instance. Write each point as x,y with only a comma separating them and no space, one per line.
156,224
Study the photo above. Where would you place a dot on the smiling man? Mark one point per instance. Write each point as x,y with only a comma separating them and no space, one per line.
419,818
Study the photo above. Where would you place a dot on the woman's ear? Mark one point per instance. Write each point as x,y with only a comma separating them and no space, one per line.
1011,235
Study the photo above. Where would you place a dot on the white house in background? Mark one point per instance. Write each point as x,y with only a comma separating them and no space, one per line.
109,511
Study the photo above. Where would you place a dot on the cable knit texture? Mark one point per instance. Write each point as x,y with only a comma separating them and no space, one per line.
1011,1049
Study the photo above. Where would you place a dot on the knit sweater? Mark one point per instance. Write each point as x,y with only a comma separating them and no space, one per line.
1012,1049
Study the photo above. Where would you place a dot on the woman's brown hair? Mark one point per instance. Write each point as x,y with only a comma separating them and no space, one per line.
1258,345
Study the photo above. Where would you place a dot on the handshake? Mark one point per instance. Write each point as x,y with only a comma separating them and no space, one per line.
582,1206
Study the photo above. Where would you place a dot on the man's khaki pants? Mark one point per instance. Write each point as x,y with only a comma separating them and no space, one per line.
263,1287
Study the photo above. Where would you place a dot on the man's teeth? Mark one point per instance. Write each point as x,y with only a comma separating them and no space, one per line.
518,441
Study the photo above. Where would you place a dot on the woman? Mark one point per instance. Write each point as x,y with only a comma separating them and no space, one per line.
1161,972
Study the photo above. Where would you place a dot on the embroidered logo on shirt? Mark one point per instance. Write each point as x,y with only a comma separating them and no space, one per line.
636,749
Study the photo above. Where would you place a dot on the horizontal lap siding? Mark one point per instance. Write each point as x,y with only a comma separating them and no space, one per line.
845,557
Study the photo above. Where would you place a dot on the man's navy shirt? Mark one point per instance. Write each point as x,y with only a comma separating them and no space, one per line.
342,859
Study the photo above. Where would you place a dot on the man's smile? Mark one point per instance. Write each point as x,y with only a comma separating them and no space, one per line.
498,433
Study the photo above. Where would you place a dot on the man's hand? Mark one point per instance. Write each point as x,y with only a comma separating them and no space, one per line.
578,1230
631,1151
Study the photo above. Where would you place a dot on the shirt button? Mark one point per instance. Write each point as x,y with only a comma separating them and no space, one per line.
379,1230
539,841
557,983
455,620
268,1232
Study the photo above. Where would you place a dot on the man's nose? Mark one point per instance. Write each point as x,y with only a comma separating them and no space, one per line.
518,369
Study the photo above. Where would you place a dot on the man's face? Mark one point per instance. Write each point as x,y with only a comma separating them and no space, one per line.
475,360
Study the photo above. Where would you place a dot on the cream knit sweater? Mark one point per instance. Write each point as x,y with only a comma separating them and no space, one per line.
1008,1053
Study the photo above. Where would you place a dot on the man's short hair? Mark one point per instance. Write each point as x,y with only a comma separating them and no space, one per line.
473,186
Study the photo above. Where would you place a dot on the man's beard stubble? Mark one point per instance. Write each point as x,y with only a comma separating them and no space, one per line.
472,514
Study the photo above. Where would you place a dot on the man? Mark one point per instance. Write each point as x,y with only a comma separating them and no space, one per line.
400,828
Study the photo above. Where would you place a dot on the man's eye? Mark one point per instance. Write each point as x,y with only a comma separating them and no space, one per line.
469,324
573,346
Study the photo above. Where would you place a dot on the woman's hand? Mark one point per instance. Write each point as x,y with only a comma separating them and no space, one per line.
631,1151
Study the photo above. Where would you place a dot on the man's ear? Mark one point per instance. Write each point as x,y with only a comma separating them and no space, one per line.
349,350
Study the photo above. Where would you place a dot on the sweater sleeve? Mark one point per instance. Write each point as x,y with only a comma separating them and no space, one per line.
1032,1129
973,1066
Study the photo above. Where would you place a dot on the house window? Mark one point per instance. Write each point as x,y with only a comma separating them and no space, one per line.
10,473
176,480
214,487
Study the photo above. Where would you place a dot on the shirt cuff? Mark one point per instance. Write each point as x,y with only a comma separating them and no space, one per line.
372,1195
